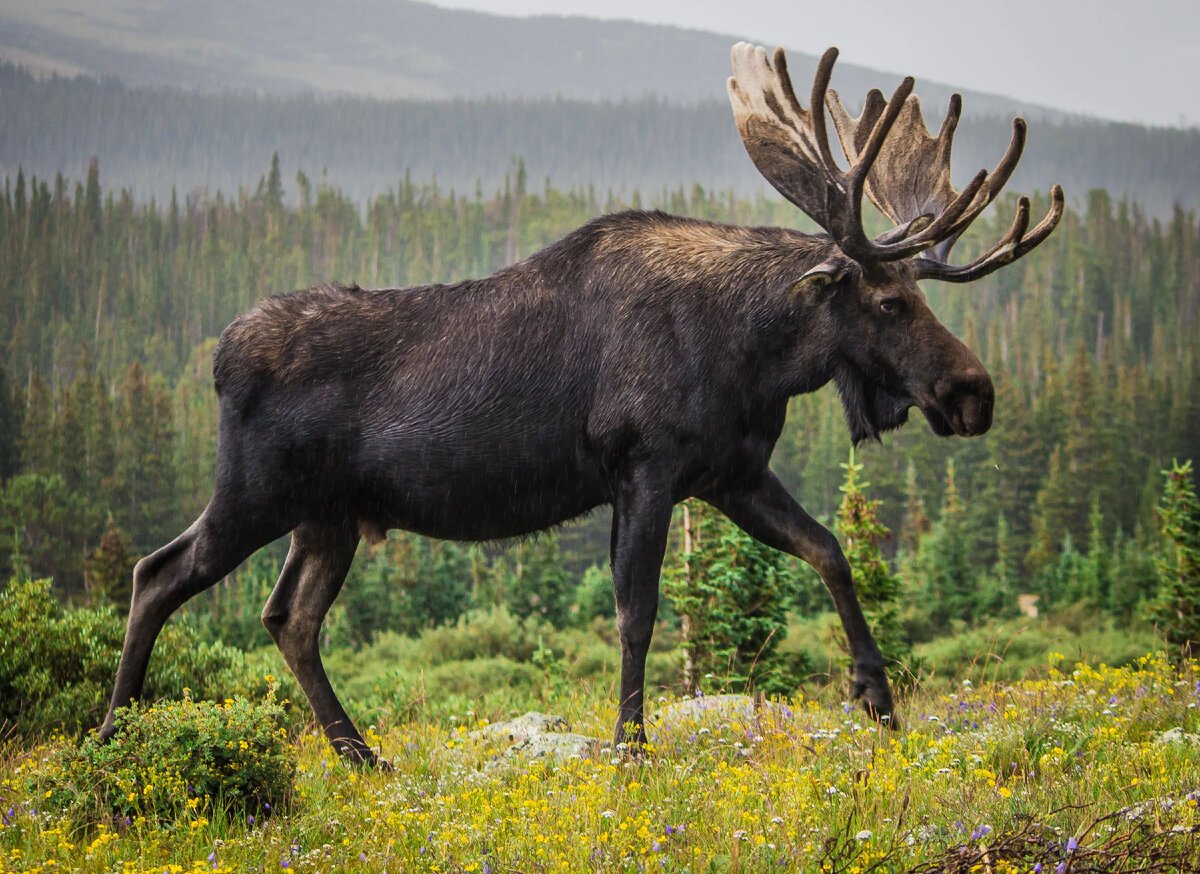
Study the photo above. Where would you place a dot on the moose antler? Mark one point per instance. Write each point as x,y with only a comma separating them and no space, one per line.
893,159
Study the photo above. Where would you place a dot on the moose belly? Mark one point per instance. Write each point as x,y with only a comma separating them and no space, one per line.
481,486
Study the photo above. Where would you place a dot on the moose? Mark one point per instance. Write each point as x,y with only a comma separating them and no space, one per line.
640,360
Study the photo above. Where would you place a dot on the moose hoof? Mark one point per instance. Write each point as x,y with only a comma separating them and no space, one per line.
871,687
368,760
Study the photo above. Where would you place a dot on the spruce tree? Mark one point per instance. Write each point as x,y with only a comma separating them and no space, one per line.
108,570
730,593
1177,608
878,588
944,563
10,426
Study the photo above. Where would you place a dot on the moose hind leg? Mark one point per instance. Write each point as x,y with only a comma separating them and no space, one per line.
312,577
163,581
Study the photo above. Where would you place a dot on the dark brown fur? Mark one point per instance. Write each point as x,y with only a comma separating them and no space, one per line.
640,360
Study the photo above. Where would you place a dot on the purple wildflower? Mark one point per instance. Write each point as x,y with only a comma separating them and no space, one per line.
1072,845
250,819
1060,868
981,832
1037,869
656,847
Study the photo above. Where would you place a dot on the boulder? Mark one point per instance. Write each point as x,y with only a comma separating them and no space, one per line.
711,711
538,736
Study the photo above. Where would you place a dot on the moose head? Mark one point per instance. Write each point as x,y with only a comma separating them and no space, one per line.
892,353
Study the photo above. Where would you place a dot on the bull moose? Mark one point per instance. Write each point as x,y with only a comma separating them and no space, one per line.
640,360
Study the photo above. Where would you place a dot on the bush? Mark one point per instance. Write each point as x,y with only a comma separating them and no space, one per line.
1020,648
57,664
175,760
483,633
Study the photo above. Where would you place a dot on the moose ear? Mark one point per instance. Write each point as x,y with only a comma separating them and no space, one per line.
819,278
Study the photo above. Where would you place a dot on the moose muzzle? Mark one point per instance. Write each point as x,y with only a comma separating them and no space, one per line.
963,402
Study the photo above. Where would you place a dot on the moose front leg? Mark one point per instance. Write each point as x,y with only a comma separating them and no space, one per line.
766,512
641,519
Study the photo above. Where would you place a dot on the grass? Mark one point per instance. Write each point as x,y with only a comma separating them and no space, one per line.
1070,771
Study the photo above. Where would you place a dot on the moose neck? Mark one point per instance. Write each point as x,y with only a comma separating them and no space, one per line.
732,284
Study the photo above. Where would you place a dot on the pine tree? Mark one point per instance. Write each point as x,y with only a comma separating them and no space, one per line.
730,593
944,563
1177,608
10,426
877,587
108,570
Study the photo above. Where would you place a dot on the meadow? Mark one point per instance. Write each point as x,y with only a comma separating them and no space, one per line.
1083,768
1008,756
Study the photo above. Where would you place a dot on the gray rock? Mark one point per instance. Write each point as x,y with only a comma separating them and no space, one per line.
715,710
1177,736
537,736
522,727
556,746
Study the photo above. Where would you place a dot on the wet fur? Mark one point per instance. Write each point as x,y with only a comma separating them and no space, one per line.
640,360
491,408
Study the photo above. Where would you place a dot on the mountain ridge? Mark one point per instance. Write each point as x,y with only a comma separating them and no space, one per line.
402,50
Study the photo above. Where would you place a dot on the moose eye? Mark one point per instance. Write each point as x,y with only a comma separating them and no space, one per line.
890,306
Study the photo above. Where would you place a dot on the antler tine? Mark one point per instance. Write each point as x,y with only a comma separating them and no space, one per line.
861,248
911,176
790,144
892,158
957,216
1013,245
882,128
945,225
945,136
996,180
817,99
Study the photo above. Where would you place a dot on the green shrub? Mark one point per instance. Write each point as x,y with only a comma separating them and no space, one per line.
483,633
175,760
1019,648
57,664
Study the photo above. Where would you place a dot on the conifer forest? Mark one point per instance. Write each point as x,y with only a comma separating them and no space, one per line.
108,425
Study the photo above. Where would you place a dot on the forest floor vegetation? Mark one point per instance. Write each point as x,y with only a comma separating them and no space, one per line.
1078,768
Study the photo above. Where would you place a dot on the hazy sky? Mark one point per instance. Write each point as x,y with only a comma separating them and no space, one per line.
1132,60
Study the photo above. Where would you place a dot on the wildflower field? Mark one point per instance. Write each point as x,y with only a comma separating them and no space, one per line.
1084,769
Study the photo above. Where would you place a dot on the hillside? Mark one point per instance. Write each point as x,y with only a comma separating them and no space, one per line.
154,140
392,49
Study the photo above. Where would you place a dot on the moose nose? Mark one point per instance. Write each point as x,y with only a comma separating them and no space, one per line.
967,399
